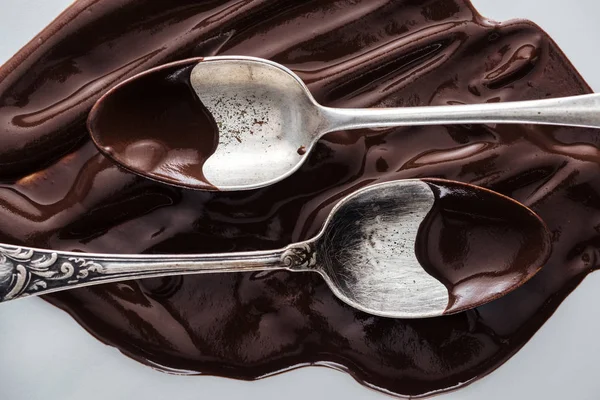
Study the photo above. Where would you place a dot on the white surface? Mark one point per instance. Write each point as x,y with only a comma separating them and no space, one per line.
45,355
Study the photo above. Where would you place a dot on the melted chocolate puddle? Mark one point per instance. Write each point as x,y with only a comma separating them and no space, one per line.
465,230
59,192
156,126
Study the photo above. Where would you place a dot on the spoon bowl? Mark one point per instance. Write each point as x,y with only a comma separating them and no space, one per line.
263,110
402,249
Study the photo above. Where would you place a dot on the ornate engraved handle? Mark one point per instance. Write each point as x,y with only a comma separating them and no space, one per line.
26,271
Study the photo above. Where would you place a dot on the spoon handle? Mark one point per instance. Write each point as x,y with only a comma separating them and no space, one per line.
583,111
26,271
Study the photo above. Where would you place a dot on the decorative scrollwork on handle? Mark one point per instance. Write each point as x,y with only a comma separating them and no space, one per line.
25,271
300,257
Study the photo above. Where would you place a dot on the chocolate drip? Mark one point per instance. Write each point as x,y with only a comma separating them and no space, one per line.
368,53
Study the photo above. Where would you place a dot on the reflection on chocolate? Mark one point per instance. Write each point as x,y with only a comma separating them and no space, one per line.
478,244
351,53
156,126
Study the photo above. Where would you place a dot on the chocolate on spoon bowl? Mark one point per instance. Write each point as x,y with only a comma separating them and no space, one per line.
155,125
378,252
241,123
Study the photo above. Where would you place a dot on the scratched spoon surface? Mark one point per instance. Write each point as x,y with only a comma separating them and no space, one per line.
402,249
238,123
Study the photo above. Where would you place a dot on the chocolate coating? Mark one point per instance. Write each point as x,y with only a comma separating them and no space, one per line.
479,244
59,192
156,126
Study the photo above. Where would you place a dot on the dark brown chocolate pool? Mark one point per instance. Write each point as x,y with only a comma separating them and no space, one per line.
156,126
59,192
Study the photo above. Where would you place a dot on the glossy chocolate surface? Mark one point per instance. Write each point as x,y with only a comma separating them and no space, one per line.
478,244
156,126
59,192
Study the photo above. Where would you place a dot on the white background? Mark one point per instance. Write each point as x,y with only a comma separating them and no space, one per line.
46,355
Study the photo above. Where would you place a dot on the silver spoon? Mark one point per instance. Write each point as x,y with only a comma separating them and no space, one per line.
403,249
268,122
